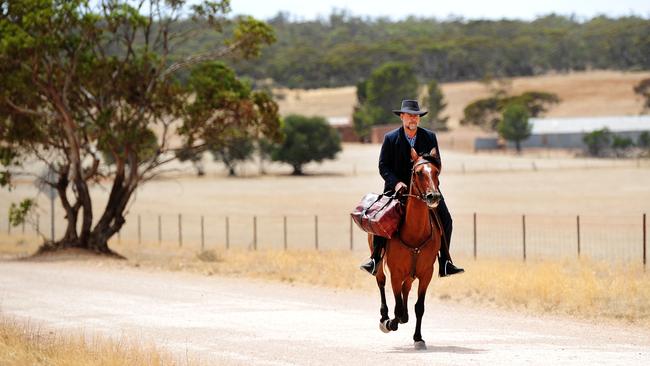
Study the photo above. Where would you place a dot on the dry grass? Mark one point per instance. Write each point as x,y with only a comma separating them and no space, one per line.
27,345
308,267
580,288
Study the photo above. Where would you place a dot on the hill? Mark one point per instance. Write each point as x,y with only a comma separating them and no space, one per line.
592,93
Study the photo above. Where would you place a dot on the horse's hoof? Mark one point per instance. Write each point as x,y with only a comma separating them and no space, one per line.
393,324
420,345
404,319
383,326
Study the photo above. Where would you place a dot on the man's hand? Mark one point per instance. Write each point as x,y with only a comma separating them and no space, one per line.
400,186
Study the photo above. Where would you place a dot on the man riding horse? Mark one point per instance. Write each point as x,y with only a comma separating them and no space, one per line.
395,166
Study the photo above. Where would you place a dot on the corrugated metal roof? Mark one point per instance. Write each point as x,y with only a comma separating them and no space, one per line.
588,124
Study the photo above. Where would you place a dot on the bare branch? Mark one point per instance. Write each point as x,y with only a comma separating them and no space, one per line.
27,111
196,59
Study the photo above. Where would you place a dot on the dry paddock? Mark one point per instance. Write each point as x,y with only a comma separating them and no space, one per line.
570,204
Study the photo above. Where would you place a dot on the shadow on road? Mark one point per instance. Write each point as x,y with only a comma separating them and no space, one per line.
438,349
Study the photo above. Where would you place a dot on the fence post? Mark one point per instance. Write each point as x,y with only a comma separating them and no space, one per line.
351,235
202,235
578,233
645,242
316,231
180,230
139,230
284,227
52,222
159,230
227,233
254,232
38,223
523,226
474,235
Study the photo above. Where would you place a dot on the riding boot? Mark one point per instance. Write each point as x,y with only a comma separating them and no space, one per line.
445,266
378,245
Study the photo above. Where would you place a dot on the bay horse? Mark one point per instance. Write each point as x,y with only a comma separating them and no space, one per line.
412,252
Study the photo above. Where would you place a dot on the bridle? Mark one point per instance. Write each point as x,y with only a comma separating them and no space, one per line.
420,195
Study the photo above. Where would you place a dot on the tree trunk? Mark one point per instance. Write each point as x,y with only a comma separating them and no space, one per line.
111,221
297,169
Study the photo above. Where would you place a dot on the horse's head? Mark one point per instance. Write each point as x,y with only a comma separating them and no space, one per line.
424,177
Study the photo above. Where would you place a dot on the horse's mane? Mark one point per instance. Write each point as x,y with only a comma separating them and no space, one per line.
433,159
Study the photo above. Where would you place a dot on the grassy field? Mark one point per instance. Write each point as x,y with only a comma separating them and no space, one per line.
28,345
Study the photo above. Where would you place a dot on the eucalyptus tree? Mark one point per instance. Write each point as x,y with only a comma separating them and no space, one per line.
89,88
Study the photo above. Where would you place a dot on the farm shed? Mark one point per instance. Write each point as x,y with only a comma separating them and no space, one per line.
569,132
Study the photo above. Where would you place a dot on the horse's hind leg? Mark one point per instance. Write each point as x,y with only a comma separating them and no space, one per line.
423,283
383,310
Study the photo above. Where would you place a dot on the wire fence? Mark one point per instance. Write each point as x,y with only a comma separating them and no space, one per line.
610,238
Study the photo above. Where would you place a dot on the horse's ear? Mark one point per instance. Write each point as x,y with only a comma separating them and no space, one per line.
414,155
434,152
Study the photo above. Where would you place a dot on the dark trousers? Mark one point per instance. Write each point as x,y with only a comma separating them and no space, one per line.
445,220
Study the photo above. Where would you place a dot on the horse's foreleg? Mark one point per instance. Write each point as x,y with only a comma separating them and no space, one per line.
406,288
396,281
419,312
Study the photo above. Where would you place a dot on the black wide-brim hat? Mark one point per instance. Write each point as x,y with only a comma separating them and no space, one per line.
410,107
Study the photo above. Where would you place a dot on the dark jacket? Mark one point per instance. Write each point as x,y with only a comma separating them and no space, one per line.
395,158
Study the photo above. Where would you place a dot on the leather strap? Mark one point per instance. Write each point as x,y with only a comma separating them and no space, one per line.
416,250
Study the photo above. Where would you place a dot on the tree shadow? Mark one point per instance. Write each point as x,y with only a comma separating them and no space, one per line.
439,349
309,174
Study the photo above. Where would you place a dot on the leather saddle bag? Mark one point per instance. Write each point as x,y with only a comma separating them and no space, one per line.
378,214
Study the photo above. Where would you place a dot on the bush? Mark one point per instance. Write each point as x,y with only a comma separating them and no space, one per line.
597,141
644,140
621,144
515,126
306,139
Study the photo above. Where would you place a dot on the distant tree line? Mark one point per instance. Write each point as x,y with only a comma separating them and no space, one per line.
344,49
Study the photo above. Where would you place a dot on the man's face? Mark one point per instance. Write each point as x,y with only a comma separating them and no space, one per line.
410,121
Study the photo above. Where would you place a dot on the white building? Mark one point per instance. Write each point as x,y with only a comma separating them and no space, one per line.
569,132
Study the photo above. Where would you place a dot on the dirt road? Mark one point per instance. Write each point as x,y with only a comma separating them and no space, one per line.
239,321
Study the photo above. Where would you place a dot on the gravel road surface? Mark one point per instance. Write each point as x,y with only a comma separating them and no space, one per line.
228,321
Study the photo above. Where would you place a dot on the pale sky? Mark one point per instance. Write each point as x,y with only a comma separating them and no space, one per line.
472,9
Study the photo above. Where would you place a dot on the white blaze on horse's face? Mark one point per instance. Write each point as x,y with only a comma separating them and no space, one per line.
425,180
